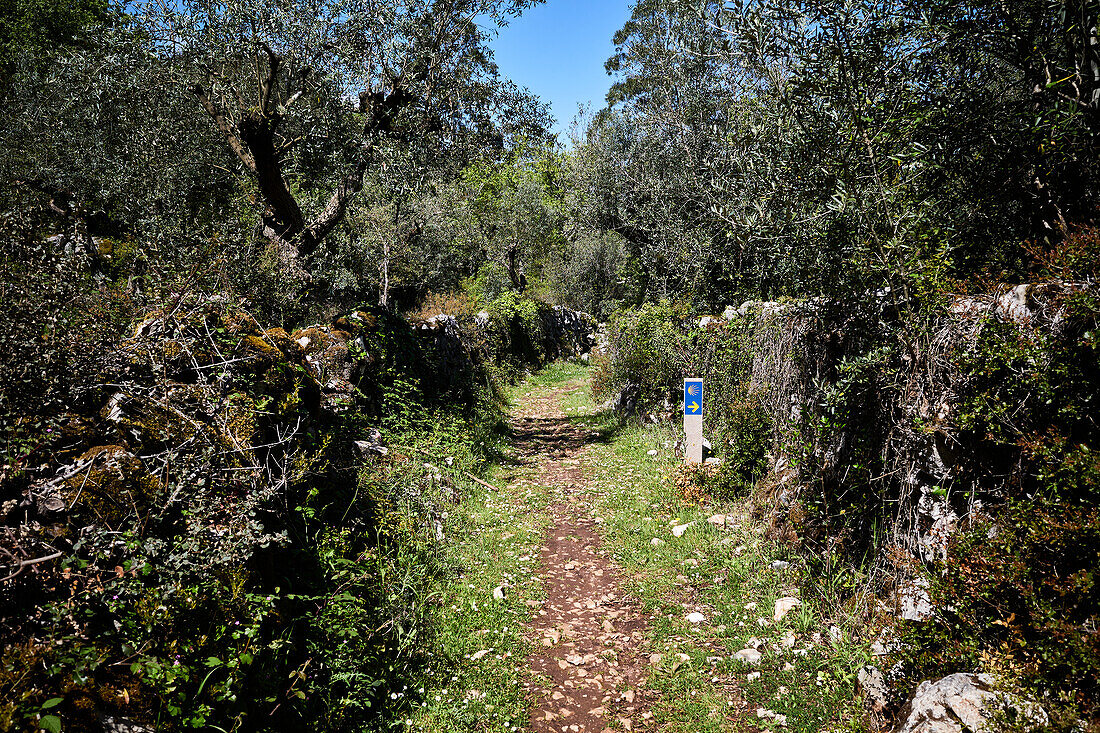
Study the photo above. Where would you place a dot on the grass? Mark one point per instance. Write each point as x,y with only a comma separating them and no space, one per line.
479,650
725,573
480,646
555,374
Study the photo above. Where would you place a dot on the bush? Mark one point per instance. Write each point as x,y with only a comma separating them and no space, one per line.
651,352
490,283
59,317
842,451
1018,593
1076,257
1030,395
524,322
647,348
746,432
238,565
232,555
1019,596
458,304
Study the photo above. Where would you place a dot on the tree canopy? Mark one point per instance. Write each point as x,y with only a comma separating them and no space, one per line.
767,148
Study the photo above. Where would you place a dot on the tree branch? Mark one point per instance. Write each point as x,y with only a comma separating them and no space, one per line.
27,563
336,207
287,145
235,143
284,215
294,98
267,86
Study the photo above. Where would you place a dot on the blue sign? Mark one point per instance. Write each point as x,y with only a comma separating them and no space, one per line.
693,397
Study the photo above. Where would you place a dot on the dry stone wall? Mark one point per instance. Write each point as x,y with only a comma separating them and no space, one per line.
211,381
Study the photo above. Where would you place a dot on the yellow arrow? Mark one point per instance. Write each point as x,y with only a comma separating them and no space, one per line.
695,407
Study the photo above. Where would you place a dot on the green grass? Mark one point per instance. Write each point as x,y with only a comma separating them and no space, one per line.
480,650
496,538
553,375
718,572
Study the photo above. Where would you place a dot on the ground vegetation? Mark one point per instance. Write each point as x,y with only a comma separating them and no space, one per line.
268,269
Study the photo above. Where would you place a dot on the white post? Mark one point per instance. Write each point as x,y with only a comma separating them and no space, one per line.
693,420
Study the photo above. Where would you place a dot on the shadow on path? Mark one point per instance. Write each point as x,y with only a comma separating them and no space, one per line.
550,437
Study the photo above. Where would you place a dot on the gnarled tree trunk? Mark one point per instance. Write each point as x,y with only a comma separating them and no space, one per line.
255,138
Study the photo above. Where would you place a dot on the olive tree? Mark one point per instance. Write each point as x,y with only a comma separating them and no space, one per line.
309,97
758,148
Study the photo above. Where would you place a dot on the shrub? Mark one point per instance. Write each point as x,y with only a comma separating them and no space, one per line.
58,321
1030,395
1018,592
746,433
842,451
523,320
647,348
721,353
490,283
238,565
1076,257
456,303
1019,596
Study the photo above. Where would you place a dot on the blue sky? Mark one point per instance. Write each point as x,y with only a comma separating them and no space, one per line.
557,50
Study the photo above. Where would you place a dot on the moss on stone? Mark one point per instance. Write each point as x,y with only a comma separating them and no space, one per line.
114,486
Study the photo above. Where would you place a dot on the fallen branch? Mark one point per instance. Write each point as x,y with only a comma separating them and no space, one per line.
26,563
486,484
469,475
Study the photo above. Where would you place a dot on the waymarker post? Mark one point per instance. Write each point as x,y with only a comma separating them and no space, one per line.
693,420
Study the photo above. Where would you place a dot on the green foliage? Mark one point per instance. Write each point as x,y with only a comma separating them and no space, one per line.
1019,596
747,431
589,276
1034,391
60,319
254,569
30,30
513,216
840,443
159,171
844,450
1016,593
762,148
490,282
740,427
651,351
523,318
647,349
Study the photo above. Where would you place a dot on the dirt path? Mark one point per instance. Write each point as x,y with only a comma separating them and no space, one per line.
591,669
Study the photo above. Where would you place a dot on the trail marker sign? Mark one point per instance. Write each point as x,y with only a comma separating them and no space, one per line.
693,420
693,396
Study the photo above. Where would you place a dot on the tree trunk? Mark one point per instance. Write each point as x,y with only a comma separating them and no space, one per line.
283,216
256,141
515,271
384,290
